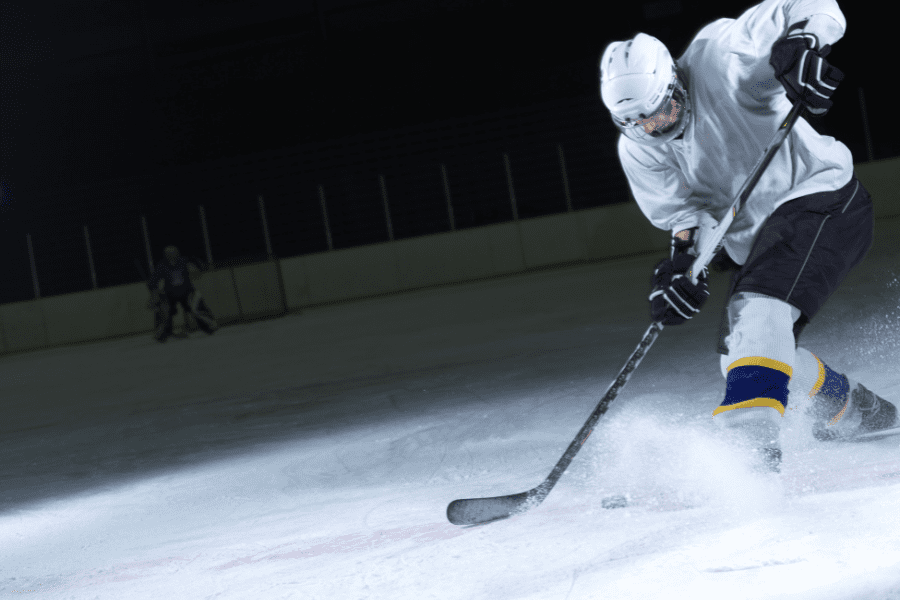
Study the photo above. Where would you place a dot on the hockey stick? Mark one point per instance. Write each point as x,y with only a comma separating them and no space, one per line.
478,511
707,248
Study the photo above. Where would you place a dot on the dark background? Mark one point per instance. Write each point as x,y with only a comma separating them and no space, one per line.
116,109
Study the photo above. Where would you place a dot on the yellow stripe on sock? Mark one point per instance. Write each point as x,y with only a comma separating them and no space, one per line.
771,402
834,420
821,378
762,361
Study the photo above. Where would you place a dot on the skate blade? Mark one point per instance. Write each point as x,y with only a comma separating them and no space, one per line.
874,435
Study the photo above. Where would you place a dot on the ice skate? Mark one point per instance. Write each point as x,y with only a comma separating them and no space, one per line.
861,412
877,413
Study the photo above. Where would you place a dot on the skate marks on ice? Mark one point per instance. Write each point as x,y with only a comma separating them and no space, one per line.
758,565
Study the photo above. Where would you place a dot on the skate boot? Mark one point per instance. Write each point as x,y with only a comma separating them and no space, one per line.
853,410
877,413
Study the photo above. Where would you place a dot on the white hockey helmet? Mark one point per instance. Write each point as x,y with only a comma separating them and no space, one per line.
639,82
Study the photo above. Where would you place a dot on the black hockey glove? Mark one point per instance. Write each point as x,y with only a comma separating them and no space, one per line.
673,297
803,71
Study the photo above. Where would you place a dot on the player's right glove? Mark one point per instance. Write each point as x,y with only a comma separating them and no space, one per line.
801,68
674,299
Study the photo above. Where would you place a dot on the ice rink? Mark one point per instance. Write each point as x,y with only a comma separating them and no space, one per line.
313,456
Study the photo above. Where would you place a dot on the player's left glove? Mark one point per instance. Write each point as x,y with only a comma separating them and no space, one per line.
801,68
674,299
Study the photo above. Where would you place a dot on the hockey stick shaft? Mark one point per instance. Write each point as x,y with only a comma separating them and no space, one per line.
611,392
477,511
713,242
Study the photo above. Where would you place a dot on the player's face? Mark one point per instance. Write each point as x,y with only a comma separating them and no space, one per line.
662,119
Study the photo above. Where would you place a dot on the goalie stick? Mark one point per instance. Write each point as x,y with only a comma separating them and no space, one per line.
478,511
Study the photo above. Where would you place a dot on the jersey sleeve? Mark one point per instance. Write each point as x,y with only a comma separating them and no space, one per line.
764,24
661,191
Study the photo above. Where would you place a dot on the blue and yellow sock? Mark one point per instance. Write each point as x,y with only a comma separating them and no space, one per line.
756,381
831,393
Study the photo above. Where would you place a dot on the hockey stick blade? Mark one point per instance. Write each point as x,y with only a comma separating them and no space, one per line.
479,511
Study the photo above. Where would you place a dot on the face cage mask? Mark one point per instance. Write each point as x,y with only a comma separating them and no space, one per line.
662,129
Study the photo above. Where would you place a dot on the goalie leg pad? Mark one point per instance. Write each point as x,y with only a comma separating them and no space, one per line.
162,326
205,319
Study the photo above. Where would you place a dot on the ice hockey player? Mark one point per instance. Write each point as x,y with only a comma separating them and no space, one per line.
170,286
691,132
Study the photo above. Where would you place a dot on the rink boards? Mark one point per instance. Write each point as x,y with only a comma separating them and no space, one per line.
270,288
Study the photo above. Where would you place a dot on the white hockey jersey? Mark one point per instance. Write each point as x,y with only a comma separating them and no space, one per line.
737,106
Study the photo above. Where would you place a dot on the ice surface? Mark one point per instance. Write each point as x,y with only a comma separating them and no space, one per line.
313,457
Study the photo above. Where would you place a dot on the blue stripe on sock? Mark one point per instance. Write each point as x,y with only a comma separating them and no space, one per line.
835,385
751,382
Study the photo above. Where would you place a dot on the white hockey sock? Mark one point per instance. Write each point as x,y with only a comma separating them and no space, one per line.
805,381
758,367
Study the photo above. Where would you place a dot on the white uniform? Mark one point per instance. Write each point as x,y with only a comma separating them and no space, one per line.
737,106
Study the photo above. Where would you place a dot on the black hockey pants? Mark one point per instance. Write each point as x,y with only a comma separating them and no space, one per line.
805,250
